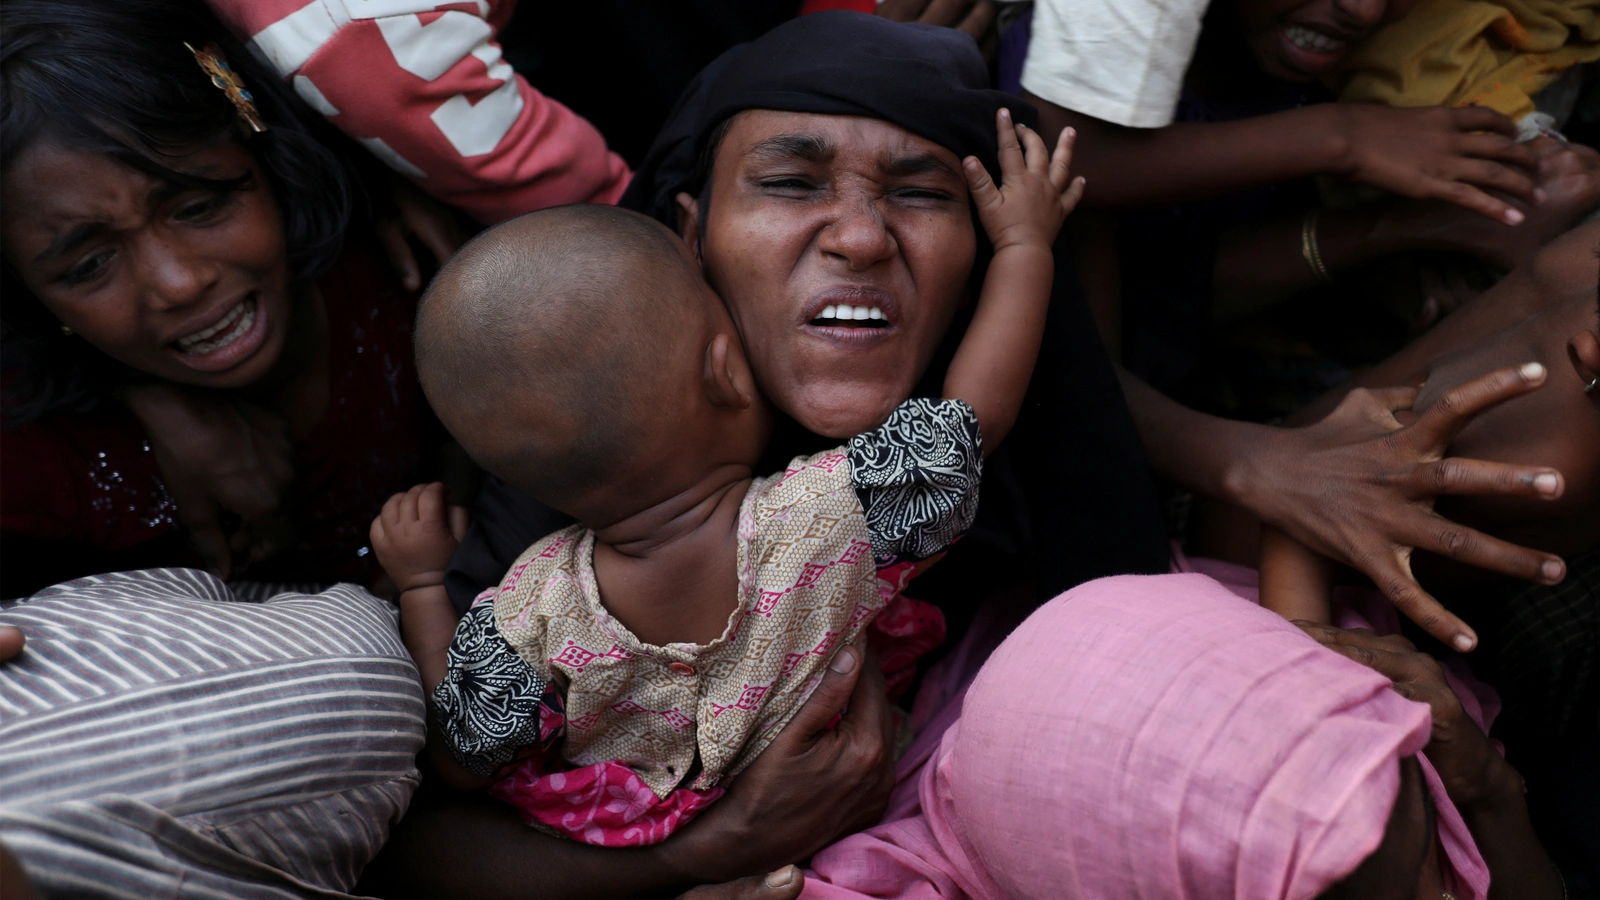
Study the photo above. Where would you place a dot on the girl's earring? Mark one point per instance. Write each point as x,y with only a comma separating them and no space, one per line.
66,330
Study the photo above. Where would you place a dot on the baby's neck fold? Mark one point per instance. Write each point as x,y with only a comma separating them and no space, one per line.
661,524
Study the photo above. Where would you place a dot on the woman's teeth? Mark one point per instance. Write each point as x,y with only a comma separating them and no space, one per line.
1313,41
230,328
845,312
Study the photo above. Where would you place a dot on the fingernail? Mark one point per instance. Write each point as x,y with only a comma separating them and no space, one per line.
1546,483
780,878
1554,570
1532,371
844,662
1514,217
1005,113
1538,195
1462,643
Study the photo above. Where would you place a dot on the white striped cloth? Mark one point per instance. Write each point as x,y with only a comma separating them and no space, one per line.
160,739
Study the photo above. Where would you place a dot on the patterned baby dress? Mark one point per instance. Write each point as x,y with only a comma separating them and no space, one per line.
640,737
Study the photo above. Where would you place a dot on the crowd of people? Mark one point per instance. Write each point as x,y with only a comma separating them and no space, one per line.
913,449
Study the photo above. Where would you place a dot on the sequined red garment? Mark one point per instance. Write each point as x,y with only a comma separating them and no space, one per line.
81,493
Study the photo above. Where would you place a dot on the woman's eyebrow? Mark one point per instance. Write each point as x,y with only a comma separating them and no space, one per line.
919,164
784,147
70,240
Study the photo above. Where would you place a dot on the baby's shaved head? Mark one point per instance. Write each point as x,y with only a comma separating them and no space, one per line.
543,341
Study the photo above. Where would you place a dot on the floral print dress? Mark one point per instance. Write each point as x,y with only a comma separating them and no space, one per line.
594,735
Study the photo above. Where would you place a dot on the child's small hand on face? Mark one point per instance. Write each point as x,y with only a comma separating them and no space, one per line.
416,534
1037,191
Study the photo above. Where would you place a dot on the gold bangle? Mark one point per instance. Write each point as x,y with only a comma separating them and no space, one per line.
1309,249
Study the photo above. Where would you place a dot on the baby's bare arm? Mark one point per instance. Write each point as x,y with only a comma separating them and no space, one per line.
992,368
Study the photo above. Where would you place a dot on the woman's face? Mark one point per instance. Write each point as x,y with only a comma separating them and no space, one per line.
191,286
1399,869
842,247
1301,40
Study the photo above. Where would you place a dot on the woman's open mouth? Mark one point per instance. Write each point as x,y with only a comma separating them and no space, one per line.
226,342
1313,41
843,315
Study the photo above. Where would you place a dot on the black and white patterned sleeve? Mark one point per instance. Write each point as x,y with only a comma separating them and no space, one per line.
488,705
917,478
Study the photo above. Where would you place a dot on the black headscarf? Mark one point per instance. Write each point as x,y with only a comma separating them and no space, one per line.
930,81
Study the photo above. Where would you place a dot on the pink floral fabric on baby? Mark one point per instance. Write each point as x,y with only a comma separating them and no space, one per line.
598,736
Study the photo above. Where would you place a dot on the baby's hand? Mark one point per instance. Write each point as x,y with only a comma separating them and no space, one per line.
416,534
1037,191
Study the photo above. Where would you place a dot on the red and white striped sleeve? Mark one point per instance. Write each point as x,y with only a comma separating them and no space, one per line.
421,84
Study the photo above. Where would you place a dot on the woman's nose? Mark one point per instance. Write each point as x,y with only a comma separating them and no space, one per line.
173,278
858,234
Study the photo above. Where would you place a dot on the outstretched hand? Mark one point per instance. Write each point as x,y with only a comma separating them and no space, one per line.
1440,153
1359,487
1037,190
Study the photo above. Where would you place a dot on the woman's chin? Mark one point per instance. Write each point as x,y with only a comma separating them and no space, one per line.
843,410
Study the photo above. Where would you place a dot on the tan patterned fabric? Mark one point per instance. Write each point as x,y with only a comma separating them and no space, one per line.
807,583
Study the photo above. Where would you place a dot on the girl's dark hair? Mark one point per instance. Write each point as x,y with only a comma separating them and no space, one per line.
114,77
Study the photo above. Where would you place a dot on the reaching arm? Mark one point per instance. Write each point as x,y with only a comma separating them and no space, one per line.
992,367
1294,580
1358,486
1424,153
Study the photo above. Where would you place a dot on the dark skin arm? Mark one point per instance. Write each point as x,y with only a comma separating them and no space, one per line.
1358,486
1484,787
821,784
1425,153
1259,264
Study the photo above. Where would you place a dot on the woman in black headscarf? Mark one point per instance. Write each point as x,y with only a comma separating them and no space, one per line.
820,163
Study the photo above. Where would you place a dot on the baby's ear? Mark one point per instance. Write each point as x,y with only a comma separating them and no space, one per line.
727,380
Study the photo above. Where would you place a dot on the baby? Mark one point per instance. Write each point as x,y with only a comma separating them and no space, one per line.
629,665
1544,320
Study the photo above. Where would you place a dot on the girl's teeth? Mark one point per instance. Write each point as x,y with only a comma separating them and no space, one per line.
829,313
862,312
1306,39
231,327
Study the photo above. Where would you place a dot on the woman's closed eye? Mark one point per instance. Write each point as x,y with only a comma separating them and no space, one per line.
203,210
788,184
923,193
86,269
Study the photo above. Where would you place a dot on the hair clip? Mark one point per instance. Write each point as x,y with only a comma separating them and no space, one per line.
222,75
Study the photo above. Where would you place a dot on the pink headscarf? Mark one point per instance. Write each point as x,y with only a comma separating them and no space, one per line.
1149,737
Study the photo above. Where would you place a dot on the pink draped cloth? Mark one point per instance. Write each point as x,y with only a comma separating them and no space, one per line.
1154,736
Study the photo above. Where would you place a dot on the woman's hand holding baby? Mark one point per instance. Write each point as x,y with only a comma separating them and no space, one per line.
825,776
